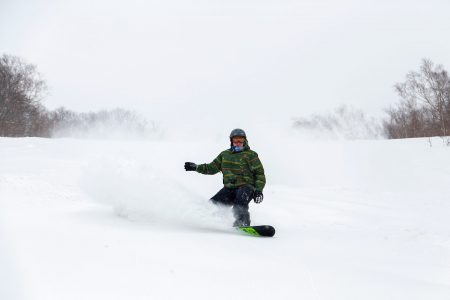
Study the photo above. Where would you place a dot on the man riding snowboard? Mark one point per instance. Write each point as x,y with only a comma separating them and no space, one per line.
243,176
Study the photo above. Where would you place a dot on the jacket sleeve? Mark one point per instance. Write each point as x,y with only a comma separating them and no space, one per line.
212,168
258,172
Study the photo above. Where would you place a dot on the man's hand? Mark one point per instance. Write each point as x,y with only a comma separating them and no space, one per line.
190,166
258,197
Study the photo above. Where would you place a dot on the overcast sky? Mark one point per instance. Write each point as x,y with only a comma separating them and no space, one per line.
205,61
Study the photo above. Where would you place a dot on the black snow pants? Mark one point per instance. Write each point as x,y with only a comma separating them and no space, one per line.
238,198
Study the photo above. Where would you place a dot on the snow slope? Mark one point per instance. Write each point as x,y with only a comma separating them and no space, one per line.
93,219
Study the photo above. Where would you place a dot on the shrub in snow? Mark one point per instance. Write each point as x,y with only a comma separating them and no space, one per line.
344,122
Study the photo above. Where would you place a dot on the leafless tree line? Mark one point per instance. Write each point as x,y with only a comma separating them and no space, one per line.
22,114
423,109
424,106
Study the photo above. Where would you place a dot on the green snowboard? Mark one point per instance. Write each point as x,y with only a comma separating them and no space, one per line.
261,230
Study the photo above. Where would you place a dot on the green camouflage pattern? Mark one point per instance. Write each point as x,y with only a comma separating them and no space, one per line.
238,168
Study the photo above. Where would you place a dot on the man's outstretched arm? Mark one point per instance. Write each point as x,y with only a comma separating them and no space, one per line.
207,169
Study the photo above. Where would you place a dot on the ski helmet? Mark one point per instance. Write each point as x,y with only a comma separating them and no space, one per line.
237,132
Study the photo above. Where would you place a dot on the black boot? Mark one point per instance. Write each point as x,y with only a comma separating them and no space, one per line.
241,215
241,223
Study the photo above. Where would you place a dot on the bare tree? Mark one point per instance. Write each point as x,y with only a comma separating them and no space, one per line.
407,120
427,91
21,90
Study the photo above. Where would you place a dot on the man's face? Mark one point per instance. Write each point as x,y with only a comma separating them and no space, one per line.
238,141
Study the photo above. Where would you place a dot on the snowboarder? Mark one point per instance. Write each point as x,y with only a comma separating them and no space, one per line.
243,176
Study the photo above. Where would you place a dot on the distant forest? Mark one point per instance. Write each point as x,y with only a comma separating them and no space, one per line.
423,109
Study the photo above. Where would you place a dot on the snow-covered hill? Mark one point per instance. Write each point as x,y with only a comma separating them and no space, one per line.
93,219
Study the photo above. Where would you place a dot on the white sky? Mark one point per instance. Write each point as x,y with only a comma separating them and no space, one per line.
207,61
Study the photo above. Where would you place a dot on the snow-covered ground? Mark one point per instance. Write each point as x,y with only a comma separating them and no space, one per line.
93,219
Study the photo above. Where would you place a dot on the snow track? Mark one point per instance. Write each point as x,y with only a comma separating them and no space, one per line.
87,219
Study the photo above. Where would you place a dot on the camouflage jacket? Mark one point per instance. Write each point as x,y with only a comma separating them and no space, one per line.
238,168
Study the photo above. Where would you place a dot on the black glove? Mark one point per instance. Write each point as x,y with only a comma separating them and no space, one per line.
190,166
258,196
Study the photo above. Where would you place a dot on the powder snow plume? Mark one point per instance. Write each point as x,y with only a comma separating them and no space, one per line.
141,192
